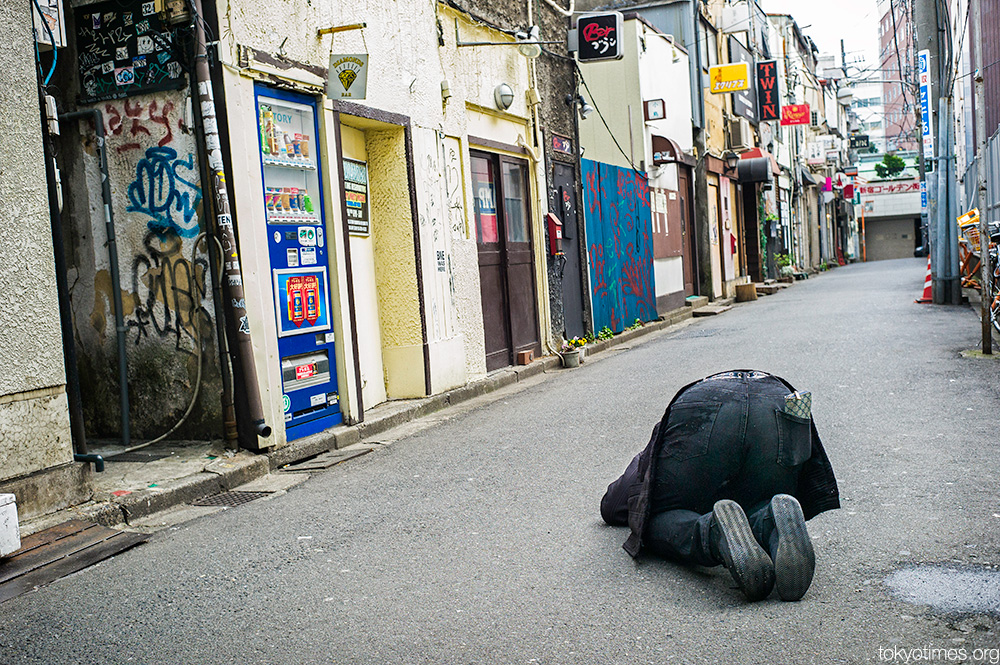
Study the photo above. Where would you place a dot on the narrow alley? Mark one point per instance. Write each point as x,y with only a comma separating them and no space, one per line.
475,536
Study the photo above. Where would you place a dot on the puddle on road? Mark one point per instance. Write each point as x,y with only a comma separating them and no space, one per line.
949,589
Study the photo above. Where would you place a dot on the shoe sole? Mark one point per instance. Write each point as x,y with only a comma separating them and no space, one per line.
746,561
794,560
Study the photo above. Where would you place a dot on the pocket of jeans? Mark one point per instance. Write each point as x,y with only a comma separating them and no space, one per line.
794,439
689,429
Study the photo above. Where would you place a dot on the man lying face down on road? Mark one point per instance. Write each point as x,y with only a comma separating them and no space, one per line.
733,445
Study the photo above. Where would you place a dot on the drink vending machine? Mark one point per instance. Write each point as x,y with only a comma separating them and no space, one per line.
298,250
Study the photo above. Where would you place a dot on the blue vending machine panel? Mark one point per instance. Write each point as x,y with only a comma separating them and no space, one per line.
293,203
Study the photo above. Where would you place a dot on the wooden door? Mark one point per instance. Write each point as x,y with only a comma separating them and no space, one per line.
563,177
690,247
506,260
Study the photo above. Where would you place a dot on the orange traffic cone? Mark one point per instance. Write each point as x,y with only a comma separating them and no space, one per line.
927,297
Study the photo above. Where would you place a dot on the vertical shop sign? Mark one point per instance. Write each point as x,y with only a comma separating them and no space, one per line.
924,64
356,193
768,99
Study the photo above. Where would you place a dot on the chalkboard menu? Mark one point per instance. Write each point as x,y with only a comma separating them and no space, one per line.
123,49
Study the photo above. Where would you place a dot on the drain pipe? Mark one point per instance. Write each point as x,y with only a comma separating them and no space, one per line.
116,293
235,298
96,460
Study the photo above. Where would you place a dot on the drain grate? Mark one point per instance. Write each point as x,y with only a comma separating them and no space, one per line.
136,457
230,499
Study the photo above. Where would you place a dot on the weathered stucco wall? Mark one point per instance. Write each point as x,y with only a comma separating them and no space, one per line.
34,421
407,67
164,278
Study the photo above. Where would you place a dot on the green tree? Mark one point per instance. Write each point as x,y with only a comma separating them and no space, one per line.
890,166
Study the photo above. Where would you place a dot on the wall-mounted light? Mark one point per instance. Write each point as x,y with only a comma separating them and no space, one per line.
580,105
503,95
732,160
445,90
528,42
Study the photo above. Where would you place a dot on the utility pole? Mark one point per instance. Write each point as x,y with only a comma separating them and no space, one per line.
236,303
984,239
925,19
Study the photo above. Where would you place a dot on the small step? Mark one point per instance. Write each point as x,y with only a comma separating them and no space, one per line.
711,310
767,289
696,301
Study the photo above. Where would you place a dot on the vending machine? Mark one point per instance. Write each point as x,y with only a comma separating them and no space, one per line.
298,249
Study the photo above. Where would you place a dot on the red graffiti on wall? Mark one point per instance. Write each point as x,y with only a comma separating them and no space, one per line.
129,123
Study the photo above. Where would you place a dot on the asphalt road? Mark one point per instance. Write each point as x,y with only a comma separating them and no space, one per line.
478,538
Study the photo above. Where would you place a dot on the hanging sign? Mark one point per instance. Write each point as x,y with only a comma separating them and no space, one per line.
795,114
924,68
729,78
768,99
600,37
348,76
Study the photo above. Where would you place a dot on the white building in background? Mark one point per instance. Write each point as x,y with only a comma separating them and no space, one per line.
867,106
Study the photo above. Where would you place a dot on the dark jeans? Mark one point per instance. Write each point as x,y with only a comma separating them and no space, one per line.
726,437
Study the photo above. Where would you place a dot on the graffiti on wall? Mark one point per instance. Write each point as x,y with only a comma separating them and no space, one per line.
135,120
175,289
165,190
442,221
617,216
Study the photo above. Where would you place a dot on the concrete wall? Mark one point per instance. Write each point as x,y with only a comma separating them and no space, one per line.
34,422
164,277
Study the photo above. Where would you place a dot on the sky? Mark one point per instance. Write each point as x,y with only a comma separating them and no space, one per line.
854,21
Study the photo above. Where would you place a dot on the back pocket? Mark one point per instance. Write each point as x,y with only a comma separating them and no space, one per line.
689,430
794,439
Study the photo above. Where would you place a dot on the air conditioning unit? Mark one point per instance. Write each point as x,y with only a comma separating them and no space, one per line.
740,134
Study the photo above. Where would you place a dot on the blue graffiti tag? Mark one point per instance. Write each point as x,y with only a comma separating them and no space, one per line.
160,192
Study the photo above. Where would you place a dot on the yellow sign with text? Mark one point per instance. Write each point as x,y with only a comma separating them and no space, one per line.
729,78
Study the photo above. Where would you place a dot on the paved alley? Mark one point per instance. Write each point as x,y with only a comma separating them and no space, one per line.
478,539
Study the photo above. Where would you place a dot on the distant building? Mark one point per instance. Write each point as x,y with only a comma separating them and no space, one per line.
896,55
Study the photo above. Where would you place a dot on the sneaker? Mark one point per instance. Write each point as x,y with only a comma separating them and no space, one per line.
745,559
791,548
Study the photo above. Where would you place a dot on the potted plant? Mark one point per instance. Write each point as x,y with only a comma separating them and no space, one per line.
785,269
572,352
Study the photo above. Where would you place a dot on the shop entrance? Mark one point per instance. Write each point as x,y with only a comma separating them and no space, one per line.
506,262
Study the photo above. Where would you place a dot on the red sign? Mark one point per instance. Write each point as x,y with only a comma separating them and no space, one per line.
767,91
305,371
795,114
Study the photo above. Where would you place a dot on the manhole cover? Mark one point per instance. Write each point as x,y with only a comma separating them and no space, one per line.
234,498
136,457
949,589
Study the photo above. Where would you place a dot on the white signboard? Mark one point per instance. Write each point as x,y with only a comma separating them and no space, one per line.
348,76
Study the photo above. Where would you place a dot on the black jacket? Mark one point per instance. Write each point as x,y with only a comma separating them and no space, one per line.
626,501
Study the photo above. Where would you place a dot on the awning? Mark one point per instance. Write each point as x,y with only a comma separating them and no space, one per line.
757,169
668,151
760,153
807,178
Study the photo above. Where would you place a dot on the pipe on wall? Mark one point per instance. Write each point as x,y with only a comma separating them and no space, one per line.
109,224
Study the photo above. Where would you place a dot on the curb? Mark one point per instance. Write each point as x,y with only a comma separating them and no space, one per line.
228,473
